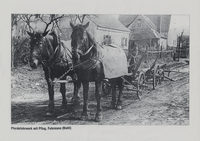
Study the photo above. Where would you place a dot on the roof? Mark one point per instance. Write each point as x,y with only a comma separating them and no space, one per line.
107,21
146,33
149,22
143,35
165,21
126,20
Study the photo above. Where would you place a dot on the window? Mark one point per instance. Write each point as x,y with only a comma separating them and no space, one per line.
107,39
124,42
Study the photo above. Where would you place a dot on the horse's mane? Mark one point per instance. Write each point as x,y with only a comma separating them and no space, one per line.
91,39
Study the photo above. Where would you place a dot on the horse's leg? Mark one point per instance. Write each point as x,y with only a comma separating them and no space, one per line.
98,96
50,91
51,98
84,115
120,87
113,87
76,98
64,100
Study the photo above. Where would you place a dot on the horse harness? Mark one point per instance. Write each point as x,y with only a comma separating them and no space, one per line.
55,59
88,64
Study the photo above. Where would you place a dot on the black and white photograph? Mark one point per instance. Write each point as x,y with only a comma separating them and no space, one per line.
90,69
100,70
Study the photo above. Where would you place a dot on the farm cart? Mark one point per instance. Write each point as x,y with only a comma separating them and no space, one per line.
134,81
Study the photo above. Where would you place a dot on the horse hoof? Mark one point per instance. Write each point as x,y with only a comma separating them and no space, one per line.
84,116
75,102
64,108
112,106
118,107
98,117
49,114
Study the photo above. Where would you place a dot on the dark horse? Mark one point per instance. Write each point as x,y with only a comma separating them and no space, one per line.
90,69
46,49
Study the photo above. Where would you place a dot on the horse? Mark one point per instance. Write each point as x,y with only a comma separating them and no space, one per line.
90,69
46,49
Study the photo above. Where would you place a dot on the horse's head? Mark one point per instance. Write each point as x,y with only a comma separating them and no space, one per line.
79,40
36,44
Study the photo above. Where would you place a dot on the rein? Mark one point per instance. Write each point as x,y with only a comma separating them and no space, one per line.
88,50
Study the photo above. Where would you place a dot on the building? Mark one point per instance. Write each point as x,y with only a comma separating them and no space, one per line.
148,31
106,29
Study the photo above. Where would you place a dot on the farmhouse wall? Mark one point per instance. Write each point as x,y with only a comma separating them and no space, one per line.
139,25
119,38
163,43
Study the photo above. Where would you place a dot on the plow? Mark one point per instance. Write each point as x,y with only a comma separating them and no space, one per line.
137,80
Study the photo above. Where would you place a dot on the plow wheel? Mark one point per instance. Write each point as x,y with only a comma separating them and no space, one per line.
140,85
155,78
162,75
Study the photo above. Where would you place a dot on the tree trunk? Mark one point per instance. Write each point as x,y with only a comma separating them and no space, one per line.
12,48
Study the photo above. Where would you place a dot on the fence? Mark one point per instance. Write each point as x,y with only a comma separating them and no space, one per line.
159,53
152,54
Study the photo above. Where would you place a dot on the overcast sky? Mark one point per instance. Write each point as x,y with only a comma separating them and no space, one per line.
180,23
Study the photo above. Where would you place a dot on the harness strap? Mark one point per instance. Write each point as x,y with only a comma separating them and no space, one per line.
88,50
68,50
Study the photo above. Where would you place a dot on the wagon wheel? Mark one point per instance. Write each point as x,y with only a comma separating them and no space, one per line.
106,88
140,85
155,73
162,76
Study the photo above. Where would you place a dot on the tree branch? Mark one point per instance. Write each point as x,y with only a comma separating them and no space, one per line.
52,19
26,18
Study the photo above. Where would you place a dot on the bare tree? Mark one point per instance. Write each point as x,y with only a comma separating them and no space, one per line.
53,21
15,18
81,17
28,18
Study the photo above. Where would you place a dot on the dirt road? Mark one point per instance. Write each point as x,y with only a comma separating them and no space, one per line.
168,104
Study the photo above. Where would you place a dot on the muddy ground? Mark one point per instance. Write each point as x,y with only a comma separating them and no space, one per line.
168,104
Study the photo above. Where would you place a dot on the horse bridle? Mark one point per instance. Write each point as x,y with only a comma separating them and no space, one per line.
88,50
